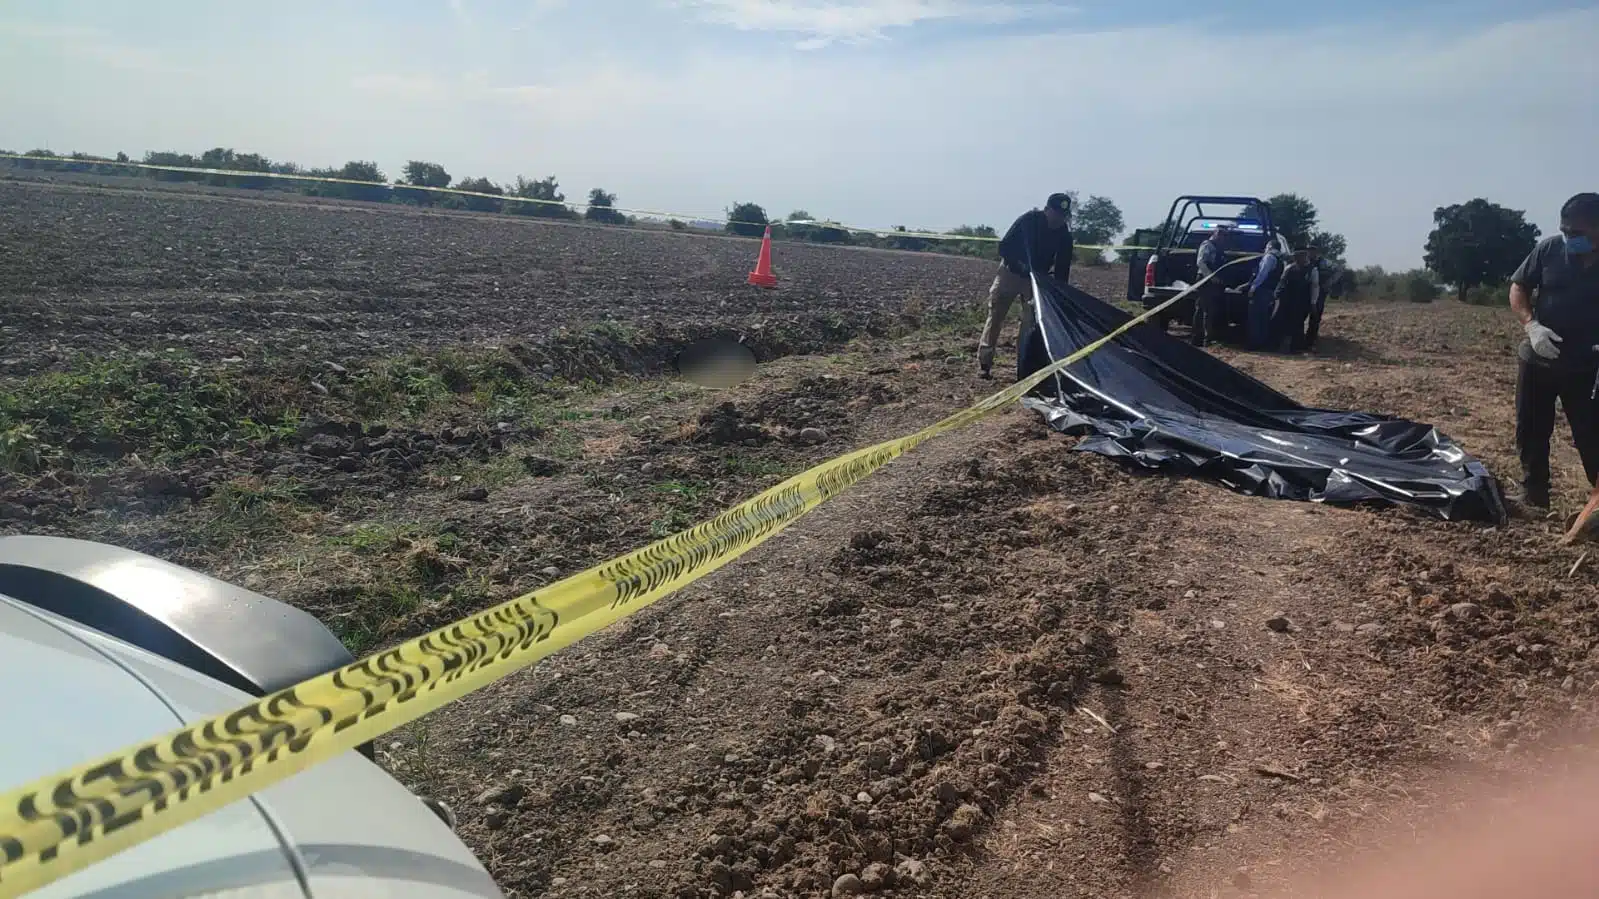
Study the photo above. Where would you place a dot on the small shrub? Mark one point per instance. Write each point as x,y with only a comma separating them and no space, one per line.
1419,287
21,451
747,220
601,208
1085,256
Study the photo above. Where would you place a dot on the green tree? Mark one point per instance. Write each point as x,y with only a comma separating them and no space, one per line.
426,174
546,192
359,170
375,189
747,220
1294,217
481,186
1477,243
1098,221
1419,287
602,208
1333,246
228,159
178,160
800,215
218,158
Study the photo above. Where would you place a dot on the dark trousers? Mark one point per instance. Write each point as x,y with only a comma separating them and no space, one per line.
1259,328
1210,313
1537,388
1289,323
1315,322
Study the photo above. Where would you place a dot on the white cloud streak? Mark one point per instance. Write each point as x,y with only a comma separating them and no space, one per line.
91,45
824,22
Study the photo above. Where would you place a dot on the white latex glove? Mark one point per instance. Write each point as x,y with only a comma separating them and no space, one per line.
1543,340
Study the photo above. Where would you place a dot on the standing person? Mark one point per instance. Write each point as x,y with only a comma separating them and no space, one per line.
1210,309
1558,359
1295,292
1322,283
1038,243
1262,293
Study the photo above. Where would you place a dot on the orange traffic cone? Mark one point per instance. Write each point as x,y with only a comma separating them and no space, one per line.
762,276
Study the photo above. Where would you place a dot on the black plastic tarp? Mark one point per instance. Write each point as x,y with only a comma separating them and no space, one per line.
1154,401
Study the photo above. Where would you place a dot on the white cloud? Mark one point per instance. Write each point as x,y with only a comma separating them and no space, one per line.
823,22
1376,125
91,45
402,87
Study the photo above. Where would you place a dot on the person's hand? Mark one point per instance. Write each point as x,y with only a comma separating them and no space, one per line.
1543,340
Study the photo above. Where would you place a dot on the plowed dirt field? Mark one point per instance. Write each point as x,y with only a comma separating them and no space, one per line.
999,669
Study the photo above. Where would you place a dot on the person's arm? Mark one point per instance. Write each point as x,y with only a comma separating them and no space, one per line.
1315,283
1267,263
1282,284
1012,247
1523,282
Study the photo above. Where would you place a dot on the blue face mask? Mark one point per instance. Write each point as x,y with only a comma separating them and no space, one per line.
1579,244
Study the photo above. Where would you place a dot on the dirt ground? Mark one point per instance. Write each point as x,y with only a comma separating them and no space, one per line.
998,669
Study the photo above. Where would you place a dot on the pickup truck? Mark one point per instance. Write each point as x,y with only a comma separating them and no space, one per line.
1174,263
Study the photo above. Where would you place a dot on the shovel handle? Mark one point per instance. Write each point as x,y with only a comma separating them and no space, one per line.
1582,518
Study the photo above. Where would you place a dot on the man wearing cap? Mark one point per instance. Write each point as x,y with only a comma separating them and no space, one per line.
1558,360
1038,243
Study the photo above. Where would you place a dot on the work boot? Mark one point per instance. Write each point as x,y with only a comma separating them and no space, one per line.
1532,502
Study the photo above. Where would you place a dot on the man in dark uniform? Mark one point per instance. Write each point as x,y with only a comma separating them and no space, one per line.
1039,242
1558,359
1295,293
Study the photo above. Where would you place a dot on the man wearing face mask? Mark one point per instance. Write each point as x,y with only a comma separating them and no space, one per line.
1558,360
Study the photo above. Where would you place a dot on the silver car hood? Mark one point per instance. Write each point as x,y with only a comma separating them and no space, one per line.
343,828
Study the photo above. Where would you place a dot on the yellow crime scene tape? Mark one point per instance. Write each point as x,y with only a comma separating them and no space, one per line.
67,821
67,163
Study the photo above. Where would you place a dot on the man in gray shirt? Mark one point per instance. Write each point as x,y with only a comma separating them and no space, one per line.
1559,359
1211,297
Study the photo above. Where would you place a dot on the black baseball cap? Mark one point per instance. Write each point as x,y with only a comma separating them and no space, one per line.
1059,202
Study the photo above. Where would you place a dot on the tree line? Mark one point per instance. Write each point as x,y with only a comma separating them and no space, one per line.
1097,221
252,171
1473,246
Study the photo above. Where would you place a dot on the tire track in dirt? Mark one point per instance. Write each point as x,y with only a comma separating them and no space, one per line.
1302,679
892,646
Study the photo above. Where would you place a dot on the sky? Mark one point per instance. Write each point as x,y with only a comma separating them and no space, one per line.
877,113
